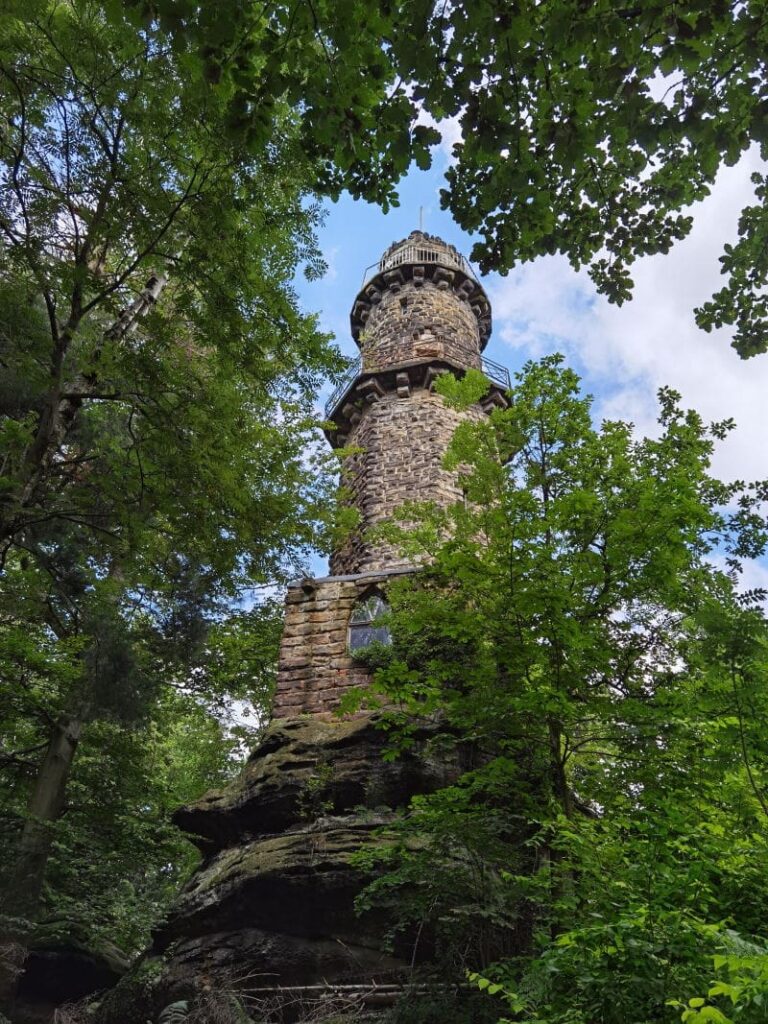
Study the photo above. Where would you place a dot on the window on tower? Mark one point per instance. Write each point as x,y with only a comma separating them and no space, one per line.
364,625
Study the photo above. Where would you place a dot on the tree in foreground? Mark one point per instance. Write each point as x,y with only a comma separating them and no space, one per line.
157,380
578,631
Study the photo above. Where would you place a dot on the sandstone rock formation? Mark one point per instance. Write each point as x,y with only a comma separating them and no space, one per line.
274,896
60,971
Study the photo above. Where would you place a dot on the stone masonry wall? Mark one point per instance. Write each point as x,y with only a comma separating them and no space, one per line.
315,667
420,320
422,313
403,440
420,286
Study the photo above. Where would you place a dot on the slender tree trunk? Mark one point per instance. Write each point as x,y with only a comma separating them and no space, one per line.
22,895
46,803
557,768
561,878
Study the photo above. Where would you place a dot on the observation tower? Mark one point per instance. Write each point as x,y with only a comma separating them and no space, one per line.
273,900
420,312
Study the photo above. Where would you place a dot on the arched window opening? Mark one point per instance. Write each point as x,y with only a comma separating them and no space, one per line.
364,628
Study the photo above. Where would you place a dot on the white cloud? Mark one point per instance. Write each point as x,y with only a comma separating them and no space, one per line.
753,575
626,353
449,128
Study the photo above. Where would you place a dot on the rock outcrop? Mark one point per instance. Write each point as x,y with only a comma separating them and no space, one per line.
274,896
63,970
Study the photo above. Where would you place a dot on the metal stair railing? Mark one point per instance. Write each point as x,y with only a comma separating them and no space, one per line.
348,376
497,373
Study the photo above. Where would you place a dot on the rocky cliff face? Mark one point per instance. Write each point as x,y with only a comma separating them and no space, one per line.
274,896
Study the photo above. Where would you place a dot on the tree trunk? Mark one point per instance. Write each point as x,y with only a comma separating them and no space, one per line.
25,885
559,779
46,803
561,879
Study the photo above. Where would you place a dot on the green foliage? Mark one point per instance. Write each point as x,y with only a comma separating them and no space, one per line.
591,129
588,129
156,404
605,686
740,989
610,970
313,800
116,860
357,121
117,167
136,992
440,1005
376,655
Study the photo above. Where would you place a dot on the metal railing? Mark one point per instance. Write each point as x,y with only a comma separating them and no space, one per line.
349,375
421,253
495,372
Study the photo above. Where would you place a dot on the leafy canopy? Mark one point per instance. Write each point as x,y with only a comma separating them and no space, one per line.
587,128
156,403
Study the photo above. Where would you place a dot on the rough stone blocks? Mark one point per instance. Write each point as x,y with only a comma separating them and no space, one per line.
315,666
401,442
420,322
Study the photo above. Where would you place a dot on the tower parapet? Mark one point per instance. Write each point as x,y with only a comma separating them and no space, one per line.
421,301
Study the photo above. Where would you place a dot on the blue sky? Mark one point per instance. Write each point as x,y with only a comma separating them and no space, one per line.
624,354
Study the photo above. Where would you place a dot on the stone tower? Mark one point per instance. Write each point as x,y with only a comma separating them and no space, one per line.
273,900
421,312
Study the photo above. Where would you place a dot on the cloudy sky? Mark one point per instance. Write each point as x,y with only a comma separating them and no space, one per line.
624,354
